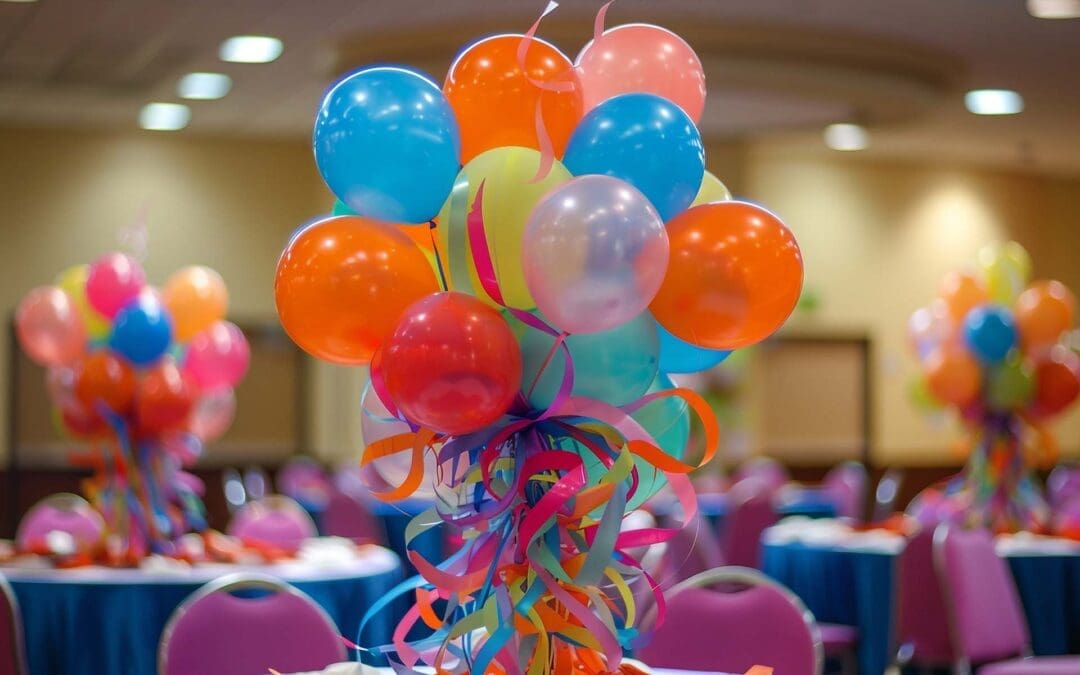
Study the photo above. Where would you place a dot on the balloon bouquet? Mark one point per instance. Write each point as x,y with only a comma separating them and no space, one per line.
144,374
990,347
576,253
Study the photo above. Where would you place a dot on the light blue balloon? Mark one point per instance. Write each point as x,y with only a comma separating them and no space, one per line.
646,141
614,366
142,331
387,144
990,332
679,356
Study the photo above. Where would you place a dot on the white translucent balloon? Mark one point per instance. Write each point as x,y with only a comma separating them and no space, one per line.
376,423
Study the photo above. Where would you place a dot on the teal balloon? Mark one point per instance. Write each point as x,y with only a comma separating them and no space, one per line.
341,209
668,421
1010,385
614,366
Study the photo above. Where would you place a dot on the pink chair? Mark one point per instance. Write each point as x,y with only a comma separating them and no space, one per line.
922,630
215,631
273,521
846,486
304,479
985,616
766,469
346,516
740,620
64,512
752,512
12,656
1062,484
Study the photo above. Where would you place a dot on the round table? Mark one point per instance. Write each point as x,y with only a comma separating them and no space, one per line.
851,583
95,620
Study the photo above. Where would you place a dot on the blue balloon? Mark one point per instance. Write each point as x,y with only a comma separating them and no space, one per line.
646,141
990,333
387,144
141,331
679,356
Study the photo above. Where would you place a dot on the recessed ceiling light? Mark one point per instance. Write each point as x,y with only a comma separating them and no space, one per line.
22,1
1054,9
203,86
993,102
251,49
164,116
846,137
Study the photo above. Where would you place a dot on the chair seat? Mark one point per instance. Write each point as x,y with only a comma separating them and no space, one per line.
837,638
1048,665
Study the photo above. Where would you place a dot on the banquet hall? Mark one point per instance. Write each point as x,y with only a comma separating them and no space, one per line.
577,337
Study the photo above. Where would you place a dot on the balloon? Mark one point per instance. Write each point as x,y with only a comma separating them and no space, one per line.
218,357
103,379
376,423
82,422
1057,381
113,281
386,143
1006,270
642,58
962,293
1043,312
929,327
49,328
495,101
510,194
594,253
735,276
195,297
921,397
164,398
990,332
420,234
73,282
343,283
1009,385
60,383
668,421
711,190
678,356
213,414
452,364
645,140
952,375
615,366
142,331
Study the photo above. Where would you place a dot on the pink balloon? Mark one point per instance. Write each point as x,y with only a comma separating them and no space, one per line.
213,414
218,357
642,58
49,327
113,281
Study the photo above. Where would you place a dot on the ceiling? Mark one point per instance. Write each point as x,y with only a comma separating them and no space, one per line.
778,69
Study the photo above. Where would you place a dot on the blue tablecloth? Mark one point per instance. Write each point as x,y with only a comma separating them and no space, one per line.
98,621
854,587
395,518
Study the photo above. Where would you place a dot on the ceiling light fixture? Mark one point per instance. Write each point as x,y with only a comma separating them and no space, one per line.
1054,9
164,116
19,1
993,102
846,137
203,86
251,49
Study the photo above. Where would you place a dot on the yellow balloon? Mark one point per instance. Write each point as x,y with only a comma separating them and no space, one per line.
73,282
711,190
509,198
1006,269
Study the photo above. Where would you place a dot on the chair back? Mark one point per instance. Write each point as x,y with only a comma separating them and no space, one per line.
886,494
1062,484
740,620
752,512
216,631
12,654
67,513
984,611
922,629
766,469
846,486
274,521
305,480
346,516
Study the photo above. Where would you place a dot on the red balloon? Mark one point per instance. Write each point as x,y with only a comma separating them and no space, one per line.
1057,381
81,422
103,378
164,398
452,364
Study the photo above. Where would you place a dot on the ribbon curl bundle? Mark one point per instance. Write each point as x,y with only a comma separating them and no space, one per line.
992,347
146,376
522,257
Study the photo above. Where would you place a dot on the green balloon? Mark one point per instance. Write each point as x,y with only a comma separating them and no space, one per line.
921,397
1009,385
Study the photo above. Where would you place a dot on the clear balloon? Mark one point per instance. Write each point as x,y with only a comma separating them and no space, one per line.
930,327
60,383
711,190
990,333
112,282
1006,269
376,423
962,293
594,254
679,356
103,379
49,328
164,398
218,357
213,414
642,58
73,282
1043,312
646,141
952,375
1057,377
195,297
142,331
386,143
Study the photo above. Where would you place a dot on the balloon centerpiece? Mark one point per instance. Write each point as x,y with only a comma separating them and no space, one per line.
577,252
146,376
990,347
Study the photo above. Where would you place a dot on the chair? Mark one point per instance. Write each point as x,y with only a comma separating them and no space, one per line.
771,472
752,512
12,654
274,521
1062,484
846,485
886,494
274,625
986,619
922,630
233,487
304,479
346,516
730,619
66,513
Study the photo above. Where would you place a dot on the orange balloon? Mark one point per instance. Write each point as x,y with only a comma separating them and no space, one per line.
495,102
733,278
342,284
196,299
962,293
101,377
1043,312
952,375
